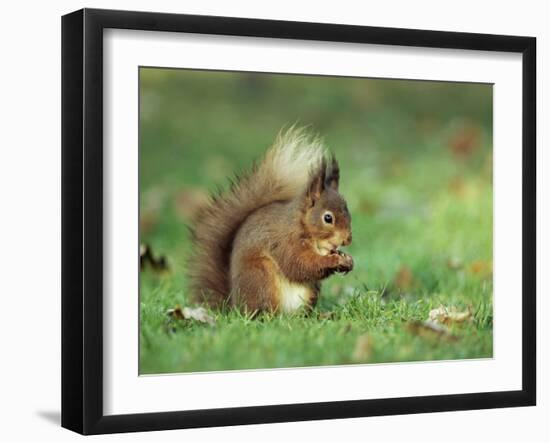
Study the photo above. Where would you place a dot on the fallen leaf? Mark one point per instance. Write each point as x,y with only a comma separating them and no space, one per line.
449,315
363,348
175,313
146,258
431,330
199,314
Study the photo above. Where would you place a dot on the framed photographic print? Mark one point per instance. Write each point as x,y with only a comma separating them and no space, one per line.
269,221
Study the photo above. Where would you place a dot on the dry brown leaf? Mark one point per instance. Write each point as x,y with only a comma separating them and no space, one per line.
363,348
449,315
199,314
430,329
175,313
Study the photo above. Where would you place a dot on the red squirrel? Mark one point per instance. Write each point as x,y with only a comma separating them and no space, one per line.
267,242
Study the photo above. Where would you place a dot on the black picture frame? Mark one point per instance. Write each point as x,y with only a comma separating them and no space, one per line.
82,220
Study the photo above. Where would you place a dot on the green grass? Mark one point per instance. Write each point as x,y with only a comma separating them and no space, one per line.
420,208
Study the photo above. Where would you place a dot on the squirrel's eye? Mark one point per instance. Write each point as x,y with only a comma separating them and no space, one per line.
328,218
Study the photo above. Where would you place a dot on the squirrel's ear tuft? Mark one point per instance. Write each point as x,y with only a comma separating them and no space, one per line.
317,184
332,178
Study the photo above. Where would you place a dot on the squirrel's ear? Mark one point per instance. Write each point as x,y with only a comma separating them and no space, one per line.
332,178
317,184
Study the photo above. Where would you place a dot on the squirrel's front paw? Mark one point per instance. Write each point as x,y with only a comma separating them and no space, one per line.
344,262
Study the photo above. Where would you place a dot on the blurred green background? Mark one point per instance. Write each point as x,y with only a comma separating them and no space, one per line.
416,170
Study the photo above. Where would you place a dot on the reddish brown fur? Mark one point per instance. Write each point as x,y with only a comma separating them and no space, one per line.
249,242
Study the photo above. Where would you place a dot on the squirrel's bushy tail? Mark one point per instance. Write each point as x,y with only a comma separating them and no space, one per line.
281,175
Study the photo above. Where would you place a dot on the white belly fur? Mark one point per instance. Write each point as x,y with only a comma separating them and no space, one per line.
293,296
